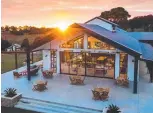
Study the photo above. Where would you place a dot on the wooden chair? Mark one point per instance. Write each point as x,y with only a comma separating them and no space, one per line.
96,95
72,80
45,85
16,74
122,80
39,87
75,81
104,95
47,74
34,87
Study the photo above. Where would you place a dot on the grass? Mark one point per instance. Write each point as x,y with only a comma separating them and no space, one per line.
19,38
8,60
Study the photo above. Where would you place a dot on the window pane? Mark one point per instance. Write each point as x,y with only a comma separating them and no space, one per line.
76,43
53,60
94,43
104,66
65,62
123,63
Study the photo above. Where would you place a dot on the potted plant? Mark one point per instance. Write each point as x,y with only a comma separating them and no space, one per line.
113,109
10,97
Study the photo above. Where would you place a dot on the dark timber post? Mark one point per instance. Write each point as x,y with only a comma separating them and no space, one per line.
16,62
151,75
32,57
135,76
25,44
28,64
85,64
150,68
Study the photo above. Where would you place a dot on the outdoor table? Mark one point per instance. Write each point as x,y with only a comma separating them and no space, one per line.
40,85
40,82
77,80
76,77
102,91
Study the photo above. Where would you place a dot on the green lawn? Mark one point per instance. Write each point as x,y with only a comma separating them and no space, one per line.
8,60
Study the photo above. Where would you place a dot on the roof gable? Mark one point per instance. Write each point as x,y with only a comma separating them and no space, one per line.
102,19
119,39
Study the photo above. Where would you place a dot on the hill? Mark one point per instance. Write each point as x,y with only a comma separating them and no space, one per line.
19,38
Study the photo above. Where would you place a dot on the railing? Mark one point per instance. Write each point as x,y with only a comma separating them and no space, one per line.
16,59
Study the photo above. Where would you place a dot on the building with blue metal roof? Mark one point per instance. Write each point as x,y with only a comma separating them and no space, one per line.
103,49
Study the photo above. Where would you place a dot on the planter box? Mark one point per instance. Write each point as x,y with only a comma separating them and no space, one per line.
10,101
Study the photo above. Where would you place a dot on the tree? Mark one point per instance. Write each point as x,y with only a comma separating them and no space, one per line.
143,22
117,15
6,28
5,44
105,14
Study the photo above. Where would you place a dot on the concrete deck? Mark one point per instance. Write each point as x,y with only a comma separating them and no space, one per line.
60,90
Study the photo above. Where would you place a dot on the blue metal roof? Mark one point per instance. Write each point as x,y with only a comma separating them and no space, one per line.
147,51
119,37
142,35
102,20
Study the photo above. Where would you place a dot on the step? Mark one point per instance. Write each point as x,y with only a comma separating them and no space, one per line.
51,108
34,108
60,106
46,106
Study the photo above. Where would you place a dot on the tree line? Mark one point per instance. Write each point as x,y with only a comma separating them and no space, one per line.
21,30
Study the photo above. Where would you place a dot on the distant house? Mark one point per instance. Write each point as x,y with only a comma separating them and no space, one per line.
14,47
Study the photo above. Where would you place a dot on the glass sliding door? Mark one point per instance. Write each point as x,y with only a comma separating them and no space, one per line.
123,63
65,62
72,63
53,60
94,64
90,64
77,63
104,65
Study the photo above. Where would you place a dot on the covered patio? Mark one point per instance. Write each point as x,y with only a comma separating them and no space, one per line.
60,91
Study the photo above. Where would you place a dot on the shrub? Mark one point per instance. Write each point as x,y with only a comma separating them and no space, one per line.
113,109
10,92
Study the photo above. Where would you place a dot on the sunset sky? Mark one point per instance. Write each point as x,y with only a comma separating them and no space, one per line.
51,12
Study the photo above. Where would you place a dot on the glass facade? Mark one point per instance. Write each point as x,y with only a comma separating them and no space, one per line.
94,64
123,63
53,60
90,64
94,43
77,43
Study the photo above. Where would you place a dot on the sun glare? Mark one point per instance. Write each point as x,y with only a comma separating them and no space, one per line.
62,25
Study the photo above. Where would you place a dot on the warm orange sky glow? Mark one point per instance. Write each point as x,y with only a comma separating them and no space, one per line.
50,12
62,25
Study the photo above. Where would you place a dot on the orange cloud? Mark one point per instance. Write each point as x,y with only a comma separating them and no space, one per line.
49,12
